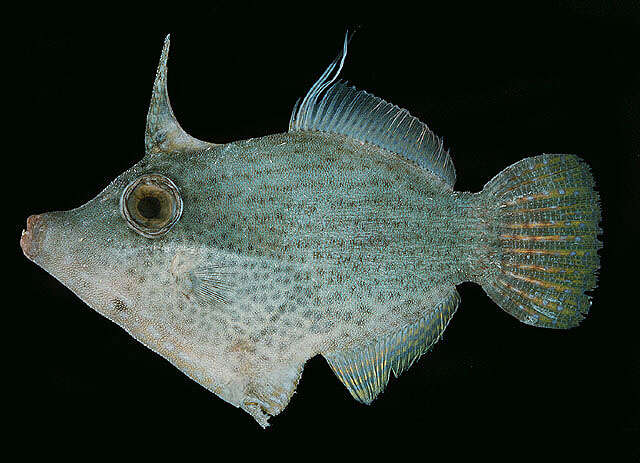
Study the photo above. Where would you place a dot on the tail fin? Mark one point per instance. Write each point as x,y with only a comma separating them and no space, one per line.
546,215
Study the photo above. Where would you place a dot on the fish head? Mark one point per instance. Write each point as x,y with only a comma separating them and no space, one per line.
147,253
143,253
105,249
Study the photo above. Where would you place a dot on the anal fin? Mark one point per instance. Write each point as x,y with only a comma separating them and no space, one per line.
365,370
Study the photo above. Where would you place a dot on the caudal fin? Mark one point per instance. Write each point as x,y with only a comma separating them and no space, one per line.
545,212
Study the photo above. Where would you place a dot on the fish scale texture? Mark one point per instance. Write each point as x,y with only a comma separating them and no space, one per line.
343,237
374,237
289,246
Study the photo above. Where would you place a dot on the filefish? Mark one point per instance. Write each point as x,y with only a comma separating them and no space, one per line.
341,237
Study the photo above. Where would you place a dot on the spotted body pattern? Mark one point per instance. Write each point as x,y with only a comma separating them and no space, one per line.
342,237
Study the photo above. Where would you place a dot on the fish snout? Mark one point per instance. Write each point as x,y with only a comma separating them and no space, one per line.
32,238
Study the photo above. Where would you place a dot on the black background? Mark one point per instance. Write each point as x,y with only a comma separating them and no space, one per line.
498,83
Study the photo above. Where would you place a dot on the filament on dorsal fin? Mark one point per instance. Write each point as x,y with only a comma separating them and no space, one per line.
309,101
333,106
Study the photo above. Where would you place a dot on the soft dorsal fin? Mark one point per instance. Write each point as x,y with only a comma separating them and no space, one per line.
365,370
335,107
163,132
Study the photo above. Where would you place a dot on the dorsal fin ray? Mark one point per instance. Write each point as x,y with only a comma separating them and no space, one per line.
333,106
365,370
163,132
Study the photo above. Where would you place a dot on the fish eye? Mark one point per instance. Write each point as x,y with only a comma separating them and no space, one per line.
151,205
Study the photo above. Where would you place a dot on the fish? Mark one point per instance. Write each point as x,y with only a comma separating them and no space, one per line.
341,237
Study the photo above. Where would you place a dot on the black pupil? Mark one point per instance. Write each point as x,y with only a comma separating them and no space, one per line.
149,207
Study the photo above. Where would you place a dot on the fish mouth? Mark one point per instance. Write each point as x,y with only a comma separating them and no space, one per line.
32,238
